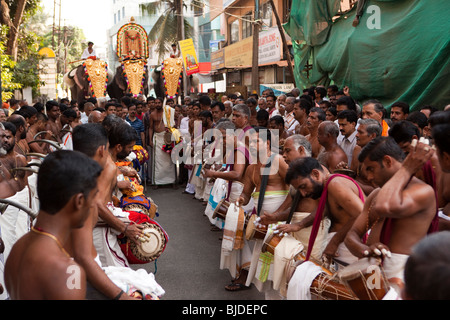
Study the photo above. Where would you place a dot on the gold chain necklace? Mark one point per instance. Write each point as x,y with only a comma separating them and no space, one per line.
52,237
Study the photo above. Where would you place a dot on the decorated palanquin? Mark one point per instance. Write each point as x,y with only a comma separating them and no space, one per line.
96,71
132,50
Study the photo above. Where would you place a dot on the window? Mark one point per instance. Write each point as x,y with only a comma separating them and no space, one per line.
247,26
234,31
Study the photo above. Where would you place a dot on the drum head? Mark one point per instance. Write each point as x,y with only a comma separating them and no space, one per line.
357,268
250,231
151,249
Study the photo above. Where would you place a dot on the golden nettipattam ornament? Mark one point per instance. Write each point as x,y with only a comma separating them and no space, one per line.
134,73
172,69
96,71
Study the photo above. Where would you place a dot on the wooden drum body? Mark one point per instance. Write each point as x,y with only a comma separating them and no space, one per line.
365,279
253,232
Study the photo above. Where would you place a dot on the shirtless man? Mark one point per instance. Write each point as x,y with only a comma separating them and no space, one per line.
301,112
39,126
315,117
81,244
275,194
13,186
53,113
156,124
400,212
11,182
164,172
295,147
21,146
332,154
237,161
342,202
38,267
441,139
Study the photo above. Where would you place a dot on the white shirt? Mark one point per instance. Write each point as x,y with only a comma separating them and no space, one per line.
84,118
86,53
184,125
289,122
348,144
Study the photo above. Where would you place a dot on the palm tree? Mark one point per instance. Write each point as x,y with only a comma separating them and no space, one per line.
167,29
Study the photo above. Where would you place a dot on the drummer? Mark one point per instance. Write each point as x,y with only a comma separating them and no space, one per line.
400,213
237,163
13,186
39,267
92,140
342,201
274,195
296,147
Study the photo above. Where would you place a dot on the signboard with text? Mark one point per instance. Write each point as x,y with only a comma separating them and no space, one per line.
189,55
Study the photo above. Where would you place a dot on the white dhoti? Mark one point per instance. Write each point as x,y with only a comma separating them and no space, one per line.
163,166
199,182
14,222
303,235
261,271
130,280
299,287
343,253
217,194
239,259
106,243
4,295
394,268
284,254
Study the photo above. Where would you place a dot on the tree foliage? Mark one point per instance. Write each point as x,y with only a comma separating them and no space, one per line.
167,29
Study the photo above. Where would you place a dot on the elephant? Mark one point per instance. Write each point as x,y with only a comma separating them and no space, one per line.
158,83
83,86
123,83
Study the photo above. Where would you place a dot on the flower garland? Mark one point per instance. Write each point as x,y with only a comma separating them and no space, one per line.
141,154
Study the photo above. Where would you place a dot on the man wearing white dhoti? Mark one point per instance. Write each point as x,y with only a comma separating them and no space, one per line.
268,193
161,119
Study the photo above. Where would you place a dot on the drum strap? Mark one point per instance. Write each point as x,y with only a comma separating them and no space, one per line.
262,189
294,206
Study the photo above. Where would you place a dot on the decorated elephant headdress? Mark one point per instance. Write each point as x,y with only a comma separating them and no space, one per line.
172,73
133,51
96,71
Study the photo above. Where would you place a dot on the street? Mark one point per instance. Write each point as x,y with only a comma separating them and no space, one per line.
188,269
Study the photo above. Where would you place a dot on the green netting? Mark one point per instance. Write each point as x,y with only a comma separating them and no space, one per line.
407,58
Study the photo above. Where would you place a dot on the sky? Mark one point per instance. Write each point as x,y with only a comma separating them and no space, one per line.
93,16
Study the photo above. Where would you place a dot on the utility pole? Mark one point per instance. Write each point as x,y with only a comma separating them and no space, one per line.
255,56
181,17
53,30
283,39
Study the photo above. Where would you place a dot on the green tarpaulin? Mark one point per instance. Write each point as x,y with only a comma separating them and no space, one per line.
400,51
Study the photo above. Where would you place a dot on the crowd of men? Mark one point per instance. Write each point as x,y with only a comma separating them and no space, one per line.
344,182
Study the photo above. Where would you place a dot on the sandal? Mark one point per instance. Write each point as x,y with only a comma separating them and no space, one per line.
236,287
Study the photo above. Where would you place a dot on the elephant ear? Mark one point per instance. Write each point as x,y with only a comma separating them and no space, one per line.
120,79
80,78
